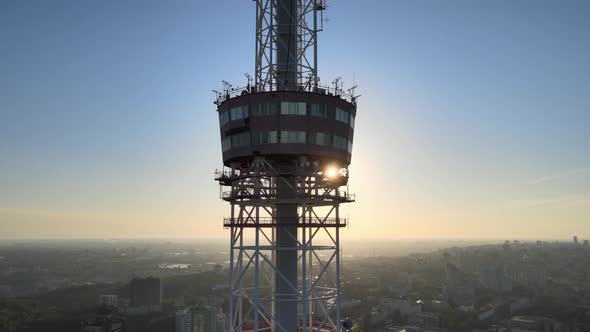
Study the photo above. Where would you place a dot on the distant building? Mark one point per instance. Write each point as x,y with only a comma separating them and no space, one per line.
425,319
389,306
494,277
459,287
103,324
486,312
519,304
201,318
145,295
108,300
585,243
379,315
122,304
575,240
530,274
350,304
184,320
404,306
434,306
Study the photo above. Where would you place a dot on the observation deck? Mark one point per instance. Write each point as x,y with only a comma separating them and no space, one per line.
281,125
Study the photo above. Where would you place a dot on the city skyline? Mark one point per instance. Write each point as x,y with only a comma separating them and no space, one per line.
472,121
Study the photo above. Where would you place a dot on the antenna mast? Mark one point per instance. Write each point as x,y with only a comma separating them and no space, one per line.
286,44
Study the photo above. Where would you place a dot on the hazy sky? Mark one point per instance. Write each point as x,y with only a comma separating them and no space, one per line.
474,120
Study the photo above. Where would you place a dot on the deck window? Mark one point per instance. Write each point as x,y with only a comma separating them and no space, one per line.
319,110
226,144
239,112
293,108
296,137
267,109
223,118
240,140
265,137
340,142
341,115
318,138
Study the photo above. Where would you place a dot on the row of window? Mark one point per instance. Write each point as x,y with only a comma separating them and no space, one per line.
287,137
319,110
223,118
235,141
239,112
264,110
293,108
287,108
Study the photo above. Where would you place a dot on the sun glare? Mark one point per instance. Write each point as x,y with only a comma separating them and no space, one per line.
331,172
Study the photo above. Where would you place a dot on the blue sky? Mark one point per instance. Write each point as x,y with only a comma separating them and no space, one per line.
473,121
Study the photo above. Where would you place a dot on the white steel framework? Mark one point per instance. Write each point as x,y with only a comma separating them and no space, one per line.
309,21
253,194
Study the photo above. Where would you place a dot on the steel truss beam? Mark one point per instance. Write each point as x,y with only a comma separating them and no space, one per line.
253,247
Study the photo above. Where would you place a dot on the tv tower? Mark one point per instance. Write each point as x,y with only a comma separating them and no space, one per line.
286,144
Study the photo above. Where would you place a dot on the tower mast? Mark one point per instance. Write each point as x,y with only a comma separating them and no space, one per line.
286,145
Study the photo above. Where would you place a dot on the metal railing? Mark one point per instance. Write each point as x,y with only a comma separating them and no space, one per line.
279,170
272,222
229,93
340,194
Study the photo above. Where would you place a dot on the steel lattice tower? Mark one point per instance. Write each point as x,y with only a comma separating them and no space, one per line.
287,144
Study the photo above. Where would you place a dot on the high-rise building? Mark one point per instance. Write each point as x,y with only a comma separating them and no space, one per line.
459,287
494,277
145,295
201,318
108,300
